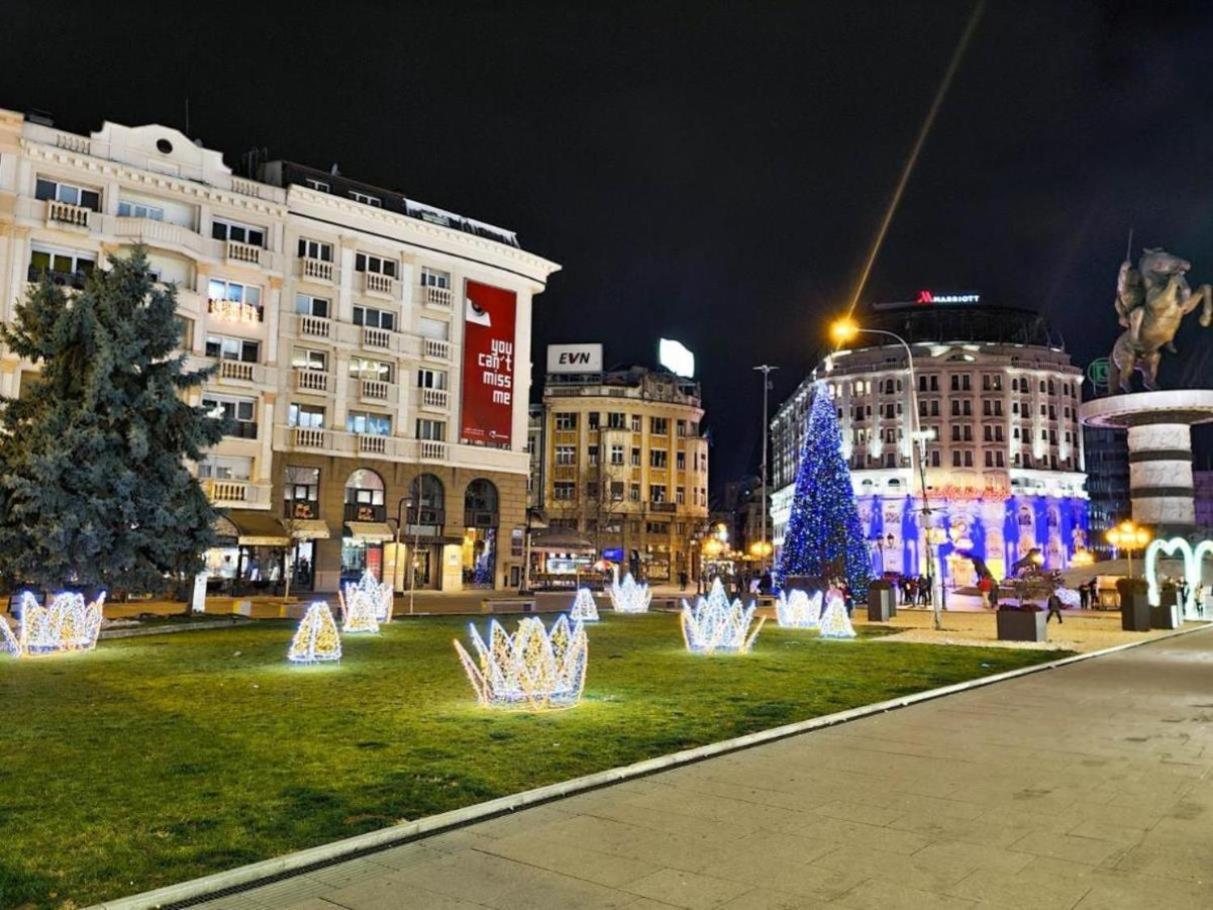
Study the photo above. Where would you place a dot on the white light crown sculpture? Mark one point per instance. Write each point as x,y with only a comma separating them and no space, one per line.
533,669
1193,559
834,620
715,625
8,641
317,638
797,610
68,624
358,611
584,607
630,597
379,595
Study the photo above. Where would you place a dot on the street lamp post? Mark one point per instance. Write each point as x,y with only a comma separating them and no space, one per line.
765,369
1128,536
843,331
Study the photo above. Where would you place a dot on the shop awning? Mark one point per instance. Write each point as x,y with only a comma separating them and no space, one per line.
309,529
258,529
369,531
558,540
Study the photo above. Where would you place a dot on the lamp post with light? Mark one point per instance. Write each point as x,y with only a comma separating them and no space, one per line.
845,330
1128,536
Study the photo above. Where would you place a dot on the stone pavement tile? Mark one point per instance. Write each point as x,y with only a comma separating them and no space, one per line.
768,899
392,894
1101,830
572,858
718,808
956,855
986,831
1120,816
675,822
894,869
1110,891
667,850
866,837
548,891
313,903
530,819
408,855
1074,849
341,874
456,841
1026,816
472,876
928,807
1186,862
787,864
1023,890
687,889
858,812
879,894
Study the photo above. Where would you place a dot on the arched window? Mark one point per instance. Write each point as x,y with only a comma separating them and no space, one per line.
427,501
480,504
364,496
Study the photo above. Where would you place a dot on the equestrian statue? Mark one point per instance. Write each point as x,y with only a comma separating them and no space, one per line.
1151,302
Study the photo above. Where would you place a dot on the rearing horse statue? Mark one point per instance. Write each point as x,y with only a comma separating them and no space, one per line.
1152,301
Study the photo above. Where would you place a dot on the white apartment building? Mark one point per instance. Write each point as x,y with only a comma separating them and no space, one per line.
342,318
1005,465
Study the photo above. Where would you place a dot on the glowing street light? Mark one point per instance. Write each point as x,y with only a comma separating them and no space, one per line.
761,549
1128,536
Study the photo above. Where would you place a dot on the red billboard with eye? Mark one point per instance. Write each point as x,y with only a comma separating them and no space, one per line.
488,365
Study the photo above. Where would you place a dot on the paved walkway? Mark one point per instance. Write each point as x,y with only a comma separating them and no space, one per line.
1087,787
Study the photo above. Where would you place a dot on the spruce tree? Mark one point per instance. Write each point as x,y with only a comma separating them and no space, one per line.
94,490
823,535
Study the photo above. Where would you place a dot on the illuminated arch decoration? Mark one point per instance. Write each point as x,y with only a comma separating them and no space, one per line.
533,669
9,641
584,607
834,620
378,597
1193,558
714,625
630,597
317,638
797,610
68,624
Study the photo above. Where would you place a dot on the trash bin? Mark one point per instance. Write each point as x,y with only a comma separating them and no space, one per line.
882,605
1134,604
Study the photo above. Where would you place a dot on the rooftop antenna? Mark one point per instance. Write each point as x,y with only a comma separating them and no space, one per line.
187,115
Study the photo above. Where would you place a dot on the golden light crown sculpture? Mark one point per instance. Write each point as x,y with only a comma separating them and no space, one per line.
379,595
835,623
585,608
795,609
533,669
358,610
317,638
716,626
630,597
68,624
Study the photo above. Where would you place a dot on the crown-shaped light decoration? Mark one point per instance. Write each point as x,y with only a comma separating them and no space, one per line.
358,610
8,641
584,607
379,596
68,624
630,597
834,620
795,609
714,625
317,638
533,669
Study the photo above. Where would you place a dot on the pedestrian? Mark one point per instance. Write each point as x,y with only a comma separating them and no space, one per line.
682,580
1054,608
924,590
1206,601
1084,596
993,593
755,584
766,583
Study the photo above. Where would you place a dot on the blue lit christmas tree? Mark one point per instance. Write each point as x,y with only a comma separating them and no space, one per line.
823,536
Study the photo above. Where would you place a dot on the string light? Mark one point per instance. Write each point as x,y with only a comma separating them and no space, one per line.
380,595
834,620
796,610
584,608
715,625
533,669
317,638
68,624
358,611
630,597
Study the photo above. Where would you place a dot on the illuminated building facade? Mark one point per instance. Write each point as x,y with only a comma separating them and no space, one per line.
1005,467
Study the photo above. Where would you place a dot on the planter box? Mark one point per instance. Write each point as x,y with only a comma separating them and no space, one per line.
882,605
1165,616
1134,605
1022,625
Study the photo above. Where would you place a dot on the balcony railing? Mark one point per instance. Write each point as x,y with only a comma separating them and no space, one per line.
431,451
316,269
308,437
311,381
435,398
243,252
236,492
65,213
314,326
372,445
236,369
63,279
439,350
375,390
662,507
234,311
241,429
362,511
437,296
383,285
376,338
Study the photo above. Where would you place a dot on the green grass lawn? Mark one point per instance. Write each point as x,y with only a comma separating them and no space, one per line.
160,758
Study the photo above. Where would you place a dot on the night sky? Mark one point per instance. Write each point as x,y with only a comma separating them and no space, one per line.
712,172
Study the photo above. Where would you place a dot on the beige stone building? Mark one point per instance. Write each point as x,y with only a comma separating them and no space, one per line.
373,352
625,466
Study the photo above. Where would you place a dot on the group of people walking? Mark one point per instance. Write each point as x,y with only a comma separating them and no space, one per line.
915,591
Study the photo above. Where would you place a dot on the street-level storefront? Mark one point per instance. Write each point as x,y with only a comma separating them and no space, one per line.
249,555
365,531
561,559
479,545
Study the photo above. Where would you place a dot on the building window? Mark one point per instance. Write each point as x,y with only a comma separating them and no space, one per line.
367,423
379,265
656,492
238,232
635,423
431,278
968,459
616,454
989,459
67,193
227,348
617,420
564,490
680,461
634,492
237,410
308,359
658,458
307,305
301,490
956,459
431,379
935,459
366,369
234,292
366,199
374,319
305,415
659,426
680,495
431,430
592,456
61,267
140,210
226,467
315,249
318,185
681,428
566,420
635,457
566,455
592,419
